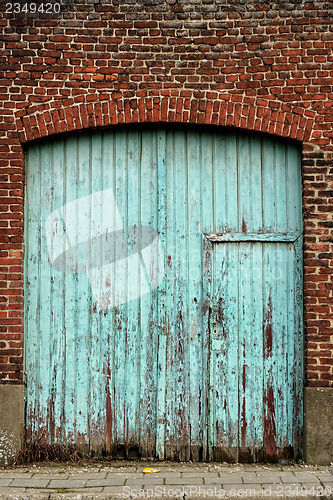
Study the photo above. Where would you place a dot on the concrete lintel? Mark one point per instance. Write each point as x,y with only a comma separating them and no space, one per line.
318,425
11,421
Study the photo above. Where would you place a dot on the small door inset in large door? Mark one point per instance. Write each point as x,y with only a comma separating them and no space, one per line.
254,346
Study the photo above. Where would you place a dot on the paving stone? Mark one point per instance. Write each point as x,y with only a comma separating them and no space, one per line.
5,482
287,477
153,485
126,475
50,476
212,480
170,474
88,475
270,487
282,489
133,480
211,486
149,478
205,491
264,477
200,474
181,490
136,486
109,481
318,489
185,480
270,480
231,478
29,483
328,488
309,478
325,479
240,490
67,483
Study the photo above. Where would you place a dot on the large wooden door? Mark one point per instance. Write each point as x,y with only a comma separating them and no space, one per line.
146,326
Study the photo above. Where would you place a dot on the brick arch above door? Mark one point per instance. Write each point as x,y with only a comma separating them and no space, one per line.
209,108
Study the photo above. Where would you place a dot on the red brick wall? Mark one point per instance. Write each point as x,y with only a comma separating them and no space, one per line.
259,65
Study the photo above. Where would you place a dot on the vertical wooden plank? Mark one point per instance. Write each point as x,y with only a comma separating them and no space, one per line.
294,184
208,401
120,310
270,344
182,327
198,306
277,398
58,366
250,351
232,330
299,347
244,188
148,328
256,183
254,346
162,323
46,284
32,293
290,340
71,320
220,181
178,344
295,300
101,212
171,269
207,222
108,388
133,307
281,187
268,185
82,181
231,187
218,424
224,348
282,271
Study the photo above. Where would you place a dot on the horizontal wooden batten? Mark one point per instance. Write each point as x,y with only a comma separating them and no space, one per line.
269,237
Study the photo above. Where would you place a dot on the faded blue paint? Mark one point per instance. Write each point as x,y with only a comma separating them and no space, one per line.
208,365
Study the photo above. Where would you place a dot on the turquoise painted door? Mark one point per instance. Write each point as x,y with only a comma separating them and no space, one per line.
163,303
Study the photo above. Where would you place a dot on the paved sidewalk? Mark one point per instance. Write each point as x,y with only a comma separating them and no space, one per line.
126,480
